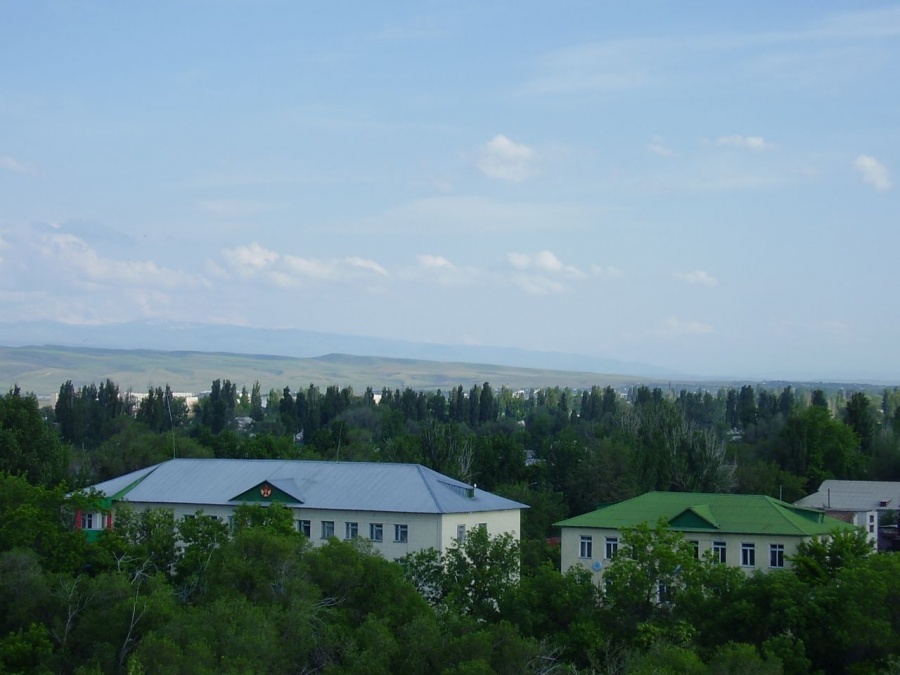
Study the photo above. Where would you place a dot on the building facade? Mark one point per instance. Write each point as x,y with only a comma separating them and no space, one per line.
400,508
862,503
746,531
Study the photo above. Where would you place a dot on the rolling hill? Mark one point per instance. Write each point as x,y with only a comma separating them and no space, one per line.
43,369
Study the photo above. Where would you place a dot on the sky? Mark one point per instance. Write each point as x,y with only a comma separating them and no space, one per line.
703,186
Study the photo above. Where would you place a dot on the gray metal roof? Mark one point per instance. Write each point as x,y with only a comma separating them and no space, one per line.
854,495
343,486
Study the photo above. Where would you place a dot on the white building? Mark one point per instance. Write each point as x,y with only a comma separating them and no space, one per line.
856,501
401,508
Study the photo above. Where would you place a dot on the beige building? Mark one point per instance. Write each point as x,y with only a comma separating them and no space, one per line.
747,531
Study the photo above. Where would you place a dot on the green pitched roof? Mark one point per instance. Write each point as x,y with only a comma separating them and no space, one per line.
723,513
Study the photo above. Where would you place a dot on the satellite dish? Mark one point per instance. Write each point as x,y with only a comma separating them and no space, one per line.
598,566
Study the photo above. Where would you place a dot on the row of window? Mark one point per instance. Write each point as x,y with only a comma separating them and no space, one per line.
719,549
748,554
586,548
351,530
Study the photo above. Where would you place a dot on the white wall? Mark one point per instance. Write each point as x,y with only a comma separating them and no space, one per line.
497,522
868,521
571,543
424,530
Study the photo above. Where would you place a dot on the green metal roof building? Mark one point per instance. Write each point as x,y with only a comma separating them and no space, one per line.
747,531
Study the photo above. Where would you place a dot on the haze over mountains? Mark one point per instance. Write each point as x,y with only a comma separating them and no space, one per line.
39,356
170,336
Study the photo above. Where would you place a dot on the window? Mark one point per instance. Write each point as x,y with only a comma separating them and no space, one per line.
304,527
376,531
460,533
719,551
695,545
612,546
482,526
871,523
586,547
664,593
748,555
87,521
776,555
327,529
351,530
401,533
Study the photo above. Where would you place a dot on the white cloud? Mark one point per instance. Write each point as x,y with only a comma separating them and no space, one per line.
11,164
608,271
521,261
697,277
541,273
50,273
311,268
544,261
77,256
289,270
675,327
844,46
873,172
659,147
434,261
503,159
746,142
363,264
536,284
247,259
441,271
616,65
253,256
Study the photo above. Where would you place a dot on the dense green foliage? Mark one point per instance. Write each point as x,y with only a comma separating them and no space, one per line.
561,451
261,599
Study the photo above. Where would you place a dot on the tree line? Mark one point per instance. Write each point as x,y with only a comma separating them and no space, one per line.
262,599
562,452
559,451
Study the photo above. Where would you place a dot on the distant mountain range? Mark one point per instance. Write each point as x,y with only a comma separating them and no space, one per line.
167,336
42,370
40,356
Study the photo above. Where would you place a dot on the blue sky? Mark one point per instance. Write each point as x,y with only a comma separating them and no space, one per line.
705,186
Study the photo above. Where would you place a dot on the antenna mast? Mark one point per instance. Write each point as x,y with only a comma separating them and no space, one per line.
171,421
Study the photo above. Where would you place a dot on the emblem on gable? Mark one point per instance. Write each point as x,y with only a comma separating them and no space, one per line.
265,491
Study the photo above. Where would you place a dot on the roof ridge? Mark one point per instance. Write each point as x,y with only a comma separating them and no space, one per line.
421,471
133,484
273,460
783,509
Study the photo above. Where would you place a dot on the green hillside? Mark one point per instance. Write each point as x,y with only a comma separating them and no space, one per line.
43,369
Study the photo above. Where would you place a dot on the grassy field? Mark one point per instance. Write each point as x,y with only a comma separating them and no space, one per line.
42,370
